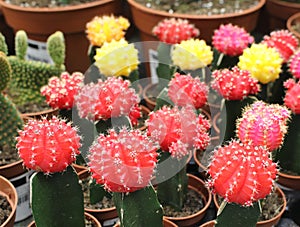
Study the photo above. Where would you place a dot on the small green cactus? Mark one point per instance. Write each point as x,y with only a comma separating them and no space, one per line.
3,46
10,119
29,76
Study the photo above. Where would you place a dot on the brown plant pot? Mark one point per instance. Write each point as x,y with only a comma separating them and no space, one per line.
267,223
291,22
289,181
197,185
8,190
102,215
87,216
38,115
39,23
278,12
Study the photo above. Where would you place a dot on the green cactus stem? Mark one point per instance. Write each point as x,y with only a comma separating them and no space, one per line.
139,208
5,70
231,214
3,45
231,111
288,155
21,41
55,196
56,48
172,190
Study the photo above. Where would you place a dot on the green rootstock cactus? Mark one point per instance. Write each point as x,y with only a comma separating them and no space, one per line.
29,76
50,147
10,119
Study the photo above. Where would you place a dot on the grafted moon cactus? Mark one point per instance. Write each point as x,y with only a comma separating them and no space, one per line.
174,30
185,90
234,84
60,91
48,145
294,64
242,173
263,124
283,41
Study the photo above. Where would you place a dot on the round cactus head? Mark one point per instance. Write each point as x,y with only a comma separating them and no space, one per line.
48,145
263,124
60,91
241,173
174,30
294,64
124,161
5,71
292,99
283,41
231,40
185,90
234,84
106,99
178,130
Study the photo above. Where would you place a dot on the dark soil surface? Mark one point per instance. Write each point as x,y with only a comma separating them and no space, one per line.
5,209
8,155
47,3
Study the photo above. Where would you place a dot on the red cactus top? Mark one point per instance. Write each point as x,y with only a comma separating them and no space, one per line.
185,90
178,130
292,97
48,145
174,30
124,161
241,173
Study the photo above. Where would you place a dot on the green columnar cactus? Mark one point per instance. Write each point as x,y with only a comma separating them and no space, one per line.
50,147
10,119
3,46
29,76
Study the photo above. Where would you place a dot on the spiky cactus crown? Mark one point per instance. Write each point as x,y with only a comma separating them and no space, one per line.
60,91
234,84
106,99
124,161
175,30
294,64
231,39
292,98
117,58
191,54
185,90
263,62
48,145
263,124
178,130
241,173
105,29
283,41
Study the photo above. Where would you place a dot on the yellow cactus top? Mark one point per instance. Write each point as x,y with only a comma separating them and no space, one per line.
105,29
264,63
116,58
192,54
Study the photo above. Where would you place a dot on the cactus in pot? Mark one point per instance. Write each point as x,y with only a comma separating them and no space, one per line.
10,118
49,147
29,76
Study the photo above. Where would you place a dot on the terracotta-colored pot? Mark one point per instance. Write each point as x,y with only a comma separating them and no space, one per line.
145,112
166,223
87,216
208,224
8,190
215,123
198,185
7,32
267,223
102,215
149,102
39,23
278,12
145,19
289,181
291,22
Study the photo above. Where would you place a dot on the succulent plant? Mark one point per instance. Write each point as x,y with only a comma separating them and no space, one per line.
288,155
283,41
178,132
10,118
294,64
124,162
29,76
242,174
263,124
49,147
